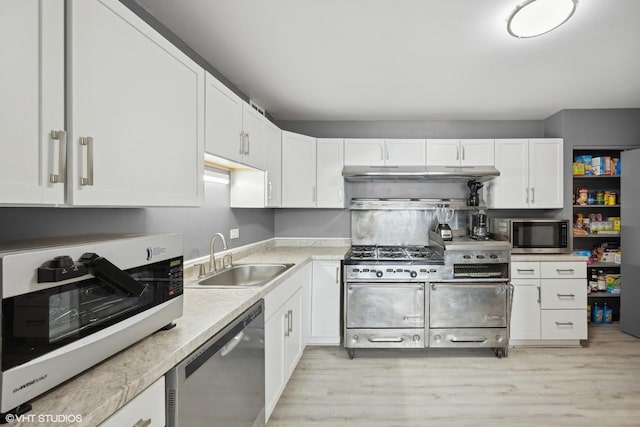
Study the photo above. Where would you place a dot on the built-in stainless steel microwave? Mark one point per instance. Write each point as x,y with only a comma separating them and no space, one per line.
533,235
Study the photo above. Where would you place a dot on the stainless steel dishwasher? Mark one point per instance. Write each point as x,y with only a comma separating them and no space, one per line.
222,382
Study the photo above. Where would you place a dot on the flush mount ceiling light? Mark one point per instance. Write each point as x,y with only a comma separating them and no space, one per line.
536,17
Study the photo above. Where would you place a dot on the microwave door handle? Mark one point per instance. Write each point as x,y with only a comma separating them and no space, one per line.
112,275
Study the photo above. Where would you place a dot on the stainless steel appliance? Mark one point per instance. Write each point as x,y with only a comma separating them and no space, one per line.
411,278
68,304
385,301
222,382
479,228
444,214
533,235
471,305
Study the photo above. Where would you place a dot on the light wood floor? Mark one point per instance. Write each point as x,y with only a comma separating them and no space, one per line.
597,385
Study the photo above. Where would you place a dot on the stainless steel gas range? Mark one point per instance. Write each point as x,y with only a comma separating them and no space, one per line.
413,290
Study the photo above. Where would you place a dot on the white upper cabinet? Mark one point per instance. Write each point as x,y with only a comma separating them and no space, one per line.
32,164
530,174
254,126
135,112
223,128
384,152
298,171
460,152
273,182
234,129
329,180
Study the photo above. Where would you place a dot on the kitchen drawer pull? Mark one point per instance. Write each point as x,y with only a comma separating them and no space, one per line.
495,317
533,195
248,138
566,295
290,321
241,150
525,270
88,142
539,296
413,317
564,323
143,423
398,339
60,177
468,339
338,275
565,270
463,152
270,191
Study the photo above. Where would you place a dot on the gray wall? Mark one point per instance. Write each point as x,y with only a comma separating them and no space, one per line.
197,224
337,222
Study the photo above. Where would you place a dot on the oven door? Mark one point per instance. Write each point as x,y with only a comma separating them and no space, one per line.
468,305
385,305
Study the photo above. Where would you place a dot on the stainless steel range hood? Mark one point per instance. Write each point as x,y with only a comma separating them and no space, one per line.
419,173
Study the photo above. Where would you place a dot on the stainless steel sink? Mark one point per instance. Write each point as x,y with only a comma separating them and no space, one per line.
245,275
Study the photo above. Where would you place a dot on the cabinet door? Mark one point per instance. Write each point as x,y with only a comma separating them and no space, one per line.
274,166
32,101
325,303
329,173
364,152
147,408
525,312
443,152
545,173
563,293
405,152
298,170
274,358
511,189
223,127
293,344
477,152
141,101
254,127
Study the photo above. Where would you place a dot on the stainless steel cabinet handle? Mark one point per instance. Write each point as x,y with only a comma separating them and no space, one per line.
413,317
290,321
398,339
463,152
248,137
564,323
566,295
525,270
337,275
539,297
60,177
241,149
533,194
286,322
88,142
457,153
565,270
495,317
270,191
143,423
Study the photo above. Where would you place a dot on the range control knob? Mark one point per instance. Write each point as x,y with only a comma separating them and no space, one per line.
379,273
413,274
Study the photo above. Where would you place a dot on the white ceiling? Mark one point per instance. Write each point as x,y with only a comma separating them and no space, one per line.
412,59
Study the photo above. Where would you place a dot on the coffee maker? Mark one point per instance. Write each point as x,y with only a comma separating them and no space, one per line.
479,229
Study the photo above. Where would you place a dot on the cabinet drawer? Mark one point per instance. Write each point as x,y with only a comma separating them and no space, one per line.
525,270
564,270
147,408
563,293
563,324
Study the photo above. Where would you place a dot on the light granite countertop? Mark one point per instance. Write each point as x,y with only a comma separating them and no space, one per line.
100,391
547,257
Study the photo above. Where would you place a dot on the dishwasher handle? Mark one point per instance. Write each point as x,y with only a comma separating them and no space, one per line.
228,347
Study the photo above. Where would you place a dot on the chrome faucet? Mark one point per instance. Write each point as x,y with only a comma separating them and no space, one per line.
212,255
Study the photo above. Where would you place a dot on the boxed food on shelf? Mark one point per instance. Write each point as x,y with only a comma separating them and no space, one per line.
584,164
613,283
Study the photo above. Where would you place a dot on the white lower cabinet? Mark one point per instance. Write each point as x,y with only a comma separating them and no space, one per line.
285,320
549,303
146,409
325,303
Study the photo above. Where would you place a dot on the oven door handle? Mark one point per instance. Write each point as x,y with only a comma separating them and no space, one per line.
468,339
398,339
103,269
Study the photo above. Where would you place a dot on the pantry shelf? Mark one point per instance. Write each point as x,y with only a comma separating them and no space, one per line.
603,265
595,206
594,176
597,236
602,295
